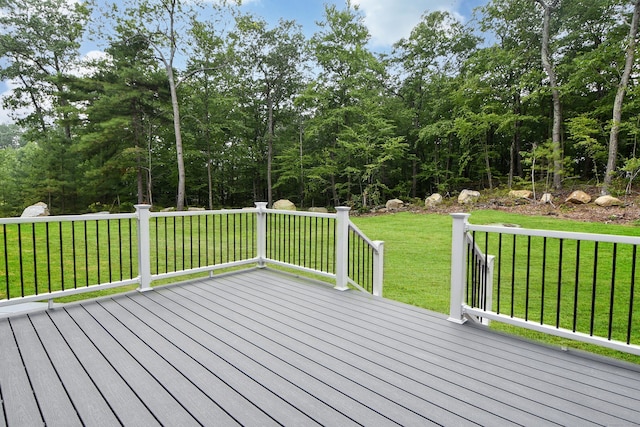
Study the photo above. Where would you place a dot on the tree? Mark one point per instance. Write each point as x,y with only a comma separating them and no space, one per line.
162,23
428,58
39,44
122,104
347,95
617,104
548,6
273,61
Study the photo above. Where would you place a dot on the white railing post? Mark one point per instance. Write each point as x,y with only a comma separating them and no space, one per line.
261,233
144,247
458,270
378,267
342,247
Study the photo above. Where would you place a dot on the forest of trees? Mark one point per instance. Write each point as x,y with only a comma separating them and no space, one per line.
202,105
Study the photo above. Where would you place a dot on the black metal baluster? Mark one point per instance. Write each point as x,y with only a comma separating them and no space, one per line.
86,254
631,293
499,271
131,249
35,260
575,287
73,243
486,283
513,275
120,248
98,249
528,282
544,269
21,261
6,261
613,288
559,296
593,289
109,248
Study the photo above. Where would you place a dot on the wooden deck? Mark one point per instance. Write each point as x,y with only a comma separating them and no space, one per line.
264,348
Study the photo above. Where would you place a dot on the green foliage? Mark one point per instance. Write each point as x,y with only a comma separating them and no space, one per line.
265,113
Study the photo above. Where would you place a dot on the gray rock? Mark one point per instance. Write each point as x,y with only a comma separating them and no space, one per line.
521,194
468,196
284,205
578,197
394,204
607,201
36,210
433,200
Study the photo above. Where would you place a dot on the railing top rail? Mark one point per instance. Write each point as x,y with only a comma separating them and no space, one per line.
356,230
67,218
205,212
570,235
302,213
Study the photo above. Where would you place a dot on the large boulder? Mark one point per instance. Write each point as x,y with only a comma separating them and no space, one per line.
521,194
38,209
284,205
394,204
607,201
578,197
468,196
433,200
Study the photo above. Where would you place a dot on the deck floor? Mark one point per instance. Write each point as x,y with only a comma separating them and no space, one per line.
265,348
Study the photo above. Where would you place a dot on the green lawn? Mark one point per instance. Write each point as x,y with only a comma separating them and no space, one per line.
418,258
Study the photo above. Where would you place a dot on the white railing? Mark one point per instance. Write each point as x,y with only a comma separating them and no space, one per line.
51,257
579,286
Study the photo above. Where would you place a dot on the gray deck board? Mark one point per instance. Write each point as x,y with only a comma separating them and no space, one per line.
265,348
507,383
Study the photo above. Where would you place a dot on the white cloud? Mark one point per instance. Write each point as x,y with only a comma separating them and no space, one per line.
390,20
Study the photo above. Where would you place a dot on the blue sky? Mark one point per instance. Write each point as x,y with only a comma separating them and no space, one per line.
388,20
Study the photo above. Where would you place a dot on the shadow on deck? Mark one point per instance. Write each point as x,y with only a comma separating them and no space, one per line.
265,348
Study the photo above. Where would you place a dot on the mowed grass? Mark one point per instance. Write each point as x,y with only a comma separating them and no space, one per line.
418,259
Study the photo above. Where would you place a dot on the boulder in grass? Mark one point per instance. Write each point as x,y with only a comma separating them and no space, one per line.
521,194
36,210
468,196
433,200
284,205
578,197
394,204
608,201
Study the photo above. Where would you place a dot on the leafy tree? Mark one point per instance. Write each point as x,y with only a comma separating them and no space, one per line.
620,93
121,108
272,60
39,44
428,58
162,24
548,7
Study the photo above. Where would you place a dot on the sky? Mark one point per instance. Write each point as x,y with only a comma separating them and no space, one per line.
388,20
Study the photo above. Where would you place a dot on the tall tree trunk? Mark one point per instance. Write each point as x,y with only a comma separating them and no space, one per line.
269,149
617,105
548,7
178,133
